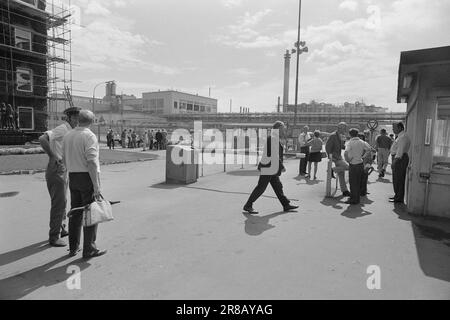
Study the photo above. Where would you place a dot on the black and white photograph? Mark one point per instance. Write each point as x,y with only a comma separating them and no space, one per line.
224,155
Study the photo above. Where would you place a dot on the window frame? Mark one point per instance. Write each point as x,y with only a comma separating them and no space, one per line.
30,38
32,118
31,79
434,158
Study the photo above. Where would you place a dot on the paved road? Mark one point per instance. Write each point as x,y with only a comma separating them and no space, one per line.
193,242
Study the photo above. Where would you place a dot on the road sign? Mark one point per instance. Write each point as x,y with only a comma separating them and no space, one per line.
372,124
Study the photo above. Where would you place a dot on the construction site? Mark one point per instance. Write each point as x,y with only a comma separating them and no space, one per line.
35,65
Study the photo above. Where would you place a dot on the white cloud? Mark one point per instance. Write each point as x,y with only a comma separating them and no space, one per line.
231,3
95,8
349,5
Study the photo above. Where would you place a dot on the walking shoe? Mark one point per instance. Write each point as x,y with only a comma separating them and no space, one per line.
351,202
73,253
346,194
93,254
289,208
250,210
57,243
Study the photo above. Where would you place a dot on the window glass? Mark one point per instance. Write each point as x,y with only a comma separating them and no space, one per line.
175,105
22,39
26,118
441,143
24,80
196,107
189,107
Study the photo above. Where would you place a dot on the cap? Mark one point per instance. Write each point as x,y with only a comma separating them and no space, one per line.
72,110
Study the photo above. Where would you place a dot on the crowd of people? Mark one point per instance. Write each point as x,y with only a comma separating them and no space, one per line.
9,117
148,140
358,159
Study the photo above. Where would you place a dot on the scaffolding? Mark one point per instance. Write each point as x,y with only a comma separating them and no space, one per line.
50,47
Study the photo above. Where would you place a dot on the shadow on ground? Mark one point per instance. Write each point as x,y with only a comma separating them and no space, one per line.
432,238
15,255
23,284
257,225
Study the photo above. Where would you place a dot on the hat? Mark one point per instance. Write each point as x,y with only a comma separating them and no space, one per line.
72,110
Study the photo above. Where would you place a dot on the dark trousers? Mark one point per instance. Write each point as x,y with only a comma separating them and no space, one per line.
365,179
304,161
81,193
356,179
399,177
57,188
262,186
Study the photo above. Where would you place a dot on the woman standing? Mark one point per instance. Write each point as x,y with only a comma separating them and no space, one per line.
315,155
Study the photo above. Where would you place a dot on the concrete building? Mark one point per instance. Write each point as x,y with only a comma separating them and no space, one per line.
175,102
424,84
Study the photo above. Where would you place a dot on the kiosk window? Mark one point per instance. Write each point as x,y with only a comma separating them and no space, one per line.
441,148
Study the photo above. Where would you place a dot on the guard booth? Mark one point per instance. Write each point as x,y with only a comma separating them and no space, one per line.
424,84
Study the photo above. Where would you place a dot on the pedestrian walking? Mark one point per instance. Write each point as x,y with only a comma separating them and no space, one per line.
130,143
354,154
304,140
81,156
399,150
123,138
56,175
271,167
150,139
383,147
334,146
110,139
315,155
146,143
159,138
133,139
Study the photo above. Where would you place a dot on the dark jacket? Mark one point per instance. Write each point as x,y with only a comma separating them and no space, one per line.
334,146
268,153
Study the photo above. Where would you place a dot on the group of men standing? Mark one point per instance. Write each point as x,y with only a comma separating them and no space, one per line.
73,153
9,117
357,151
358,155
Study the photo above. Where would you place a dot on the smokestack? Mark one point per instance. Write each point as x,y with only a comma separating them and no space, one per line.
287,65
278,106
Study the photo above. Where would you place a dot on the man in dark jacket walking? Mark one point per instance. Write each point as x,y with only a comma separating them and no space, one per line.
271,167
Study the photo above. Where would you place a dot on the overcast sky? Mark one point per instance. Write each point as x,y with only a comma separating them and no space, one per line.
236,47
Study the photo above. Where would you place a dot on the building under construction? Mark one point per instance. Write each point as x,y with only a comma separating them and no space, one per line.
35,63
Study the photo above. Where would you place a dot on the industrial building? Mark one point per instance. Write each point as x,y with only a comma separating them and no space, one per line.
175,102
35,61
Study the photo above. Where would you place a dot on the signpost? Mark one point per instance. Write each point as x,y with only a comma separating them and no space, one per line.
372,125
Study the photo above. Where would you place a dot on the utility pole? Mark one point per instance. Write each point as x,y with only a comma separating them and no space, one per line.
298,56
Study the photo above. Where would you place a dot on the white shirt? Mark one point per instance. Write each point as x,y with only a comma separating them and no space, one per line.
355,149
303,139
401,145
56,137
80,146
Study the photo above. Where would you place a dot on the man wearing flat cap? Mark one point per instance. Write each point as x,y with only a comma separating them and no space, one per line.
56,175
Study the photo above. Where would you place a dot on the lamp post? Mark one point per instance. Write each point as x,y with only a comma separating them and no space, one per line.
300,47
93,103
93,95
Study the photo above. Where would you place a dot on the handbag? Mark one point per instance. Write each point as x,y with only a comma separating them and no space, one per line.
98,211
324,155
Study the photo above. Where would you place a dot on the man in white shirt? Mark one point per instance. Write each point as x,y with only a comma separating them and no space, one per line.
56,175
81,157
354,154
399,150
304,140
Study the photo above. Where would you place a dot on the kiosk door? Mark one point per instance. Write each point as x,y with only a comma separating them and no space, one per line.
438,135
